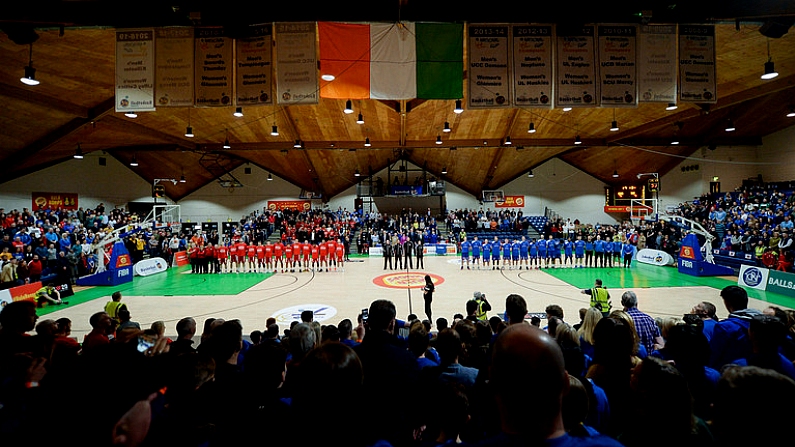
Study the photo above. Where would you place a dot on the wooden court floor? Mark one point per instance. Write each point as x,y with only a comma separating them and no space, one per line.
336,295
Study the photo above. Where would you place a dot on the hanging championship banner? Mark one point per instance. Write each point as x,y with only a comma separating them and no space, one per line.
532,65
135,70
174,66
618,86
296,63
575,76
253,77
657,63
489,71
697,68
213,73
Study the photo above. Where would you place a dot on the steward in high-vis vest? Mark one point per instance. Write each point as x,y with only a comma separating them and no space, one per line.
483,306
600,297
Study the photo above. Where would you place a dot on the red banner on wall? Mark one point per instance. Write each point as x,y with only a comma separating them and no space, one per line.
300,205
510,202
54,200
616,209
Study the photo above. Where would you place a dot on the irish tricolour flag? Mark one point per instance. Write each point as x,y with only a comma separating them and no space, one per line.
392,61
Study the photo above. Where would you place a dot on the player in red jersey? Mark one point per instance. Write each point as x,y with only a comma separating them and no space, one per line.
331,247
222,253
278,250
288,257
260,267
209,258
251,258
306,247
297,254
315,252
268,256
240,259
340,252
232,257
323,248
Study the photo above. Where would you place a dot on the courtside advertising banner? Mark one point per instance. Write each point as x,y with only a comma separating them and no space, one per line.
575,76
753,277
213,56
654,257
296,63
697,68
618,83
489,67
532,65
135,70
253,77
174,64
657,63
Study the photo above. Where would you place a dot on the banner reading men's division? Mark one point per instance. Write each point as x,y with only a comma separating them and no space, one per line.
697,68
489,73
135,70
575,77
657,63
174,66
618,86
296,63
253,76
214,69
532,65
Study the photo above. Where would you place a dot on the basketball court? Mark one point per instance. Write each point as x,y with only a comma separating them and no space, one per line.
336,295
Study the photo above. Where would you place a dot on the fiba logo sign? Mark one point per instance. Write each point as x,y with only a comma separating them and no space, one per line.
752,277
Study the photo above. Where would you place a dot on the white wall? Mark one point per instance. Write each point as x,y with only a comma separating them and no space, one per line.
779,150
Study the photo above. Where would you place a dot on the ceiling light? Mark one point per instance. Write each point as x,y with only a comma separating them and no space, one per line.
508,140
238,112
226,144
357,173
614,126
131,115
134,162
770,71
567,109
270,177
458,107
730,126
275,131
348,107
444,170
78,152
367,142
327,77
30,72
189,132
447,127
671,106
791,113
182,179
675,142
297,144
438,139
360,119
577,140
530,174
615,174
532,128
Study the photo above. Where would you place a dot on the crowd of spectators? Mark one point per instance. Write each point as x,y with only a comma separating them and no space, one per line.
479,379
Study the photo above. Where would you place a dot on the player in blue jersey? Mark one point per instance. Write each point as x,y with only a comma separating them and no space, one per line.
628,250
506,253
553,252
495,253
579,252
608,256
533,253
568,249
524,246
466,246
515,254
599,251
486,254
477,246
589,252
541,246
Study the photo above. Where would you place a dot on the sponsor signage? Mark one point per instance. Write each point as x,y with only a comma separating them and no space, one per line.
20,293
181,258
781,282
753,277
151,266
320,312
510,202
687,252
54,200
300,205
654,257
616,209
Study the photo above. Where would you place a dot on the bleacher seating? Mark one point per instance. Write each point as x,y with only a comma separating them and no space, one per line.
537,222
733,259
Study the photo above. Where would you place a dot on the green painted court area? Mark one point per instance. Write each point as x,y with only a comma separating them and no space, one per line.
174,282
644,276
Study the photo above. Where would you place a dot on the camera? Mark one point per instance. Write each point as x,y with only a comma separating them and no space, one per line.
365,314
144,344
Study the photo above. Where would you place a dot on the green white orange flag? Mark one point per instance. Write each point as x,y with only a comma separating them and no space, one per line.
391,61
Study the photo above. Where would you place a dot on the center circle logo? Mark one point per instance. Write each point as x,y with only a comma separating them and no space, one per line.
752,277
411,280
321,312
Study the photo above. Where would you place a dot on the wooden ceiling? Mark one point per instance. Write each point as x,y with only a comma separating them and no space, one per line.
74,56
